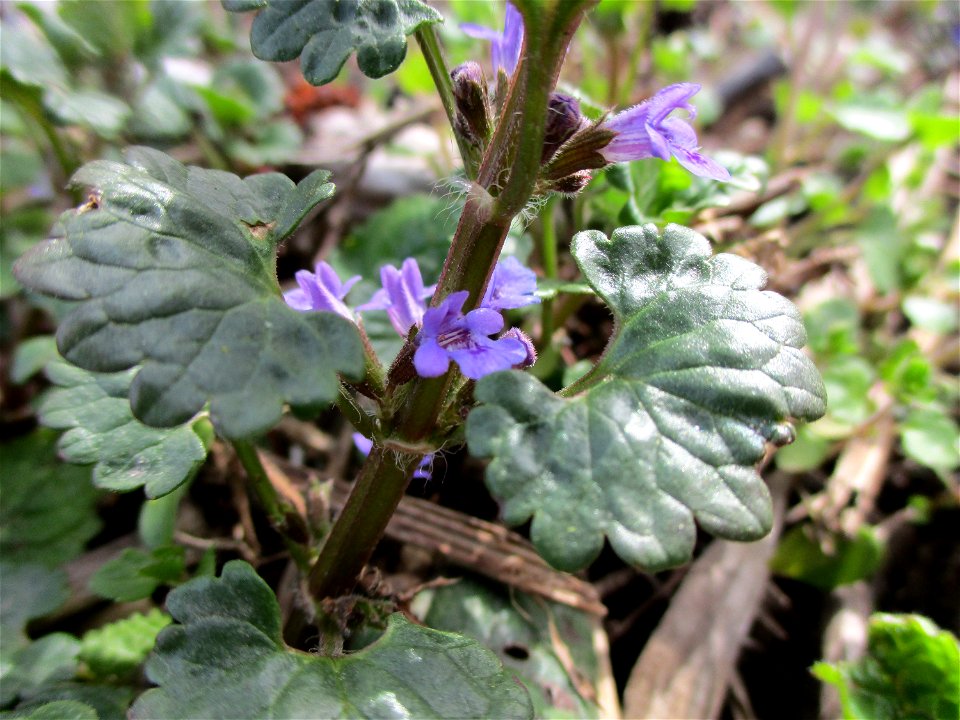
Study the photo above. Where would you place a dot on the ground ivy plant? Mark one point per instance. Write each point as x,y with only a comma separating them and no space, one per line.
178,325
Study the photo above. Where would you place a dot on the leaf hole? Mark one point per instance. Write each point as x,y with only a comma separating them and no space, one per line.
517,652
93,202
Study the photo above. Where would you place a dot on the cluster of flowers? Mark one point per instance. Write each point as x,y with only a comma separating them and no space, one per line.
643,131
445,332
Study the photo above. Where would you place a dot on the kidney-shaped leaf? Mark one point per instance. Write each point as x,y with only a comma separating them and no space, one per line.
323,33
704,367
174,270
102,430
227,660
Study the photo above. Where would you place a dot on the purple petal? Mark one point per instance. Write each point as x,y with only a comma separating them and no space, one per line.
659,145
363,444
511,286
504,47
680,134
425,469
622,149
484,321
631,120
670,98
431,360
486,356
379,301
297,299
402,296
479,31
512,40
701,165
320,291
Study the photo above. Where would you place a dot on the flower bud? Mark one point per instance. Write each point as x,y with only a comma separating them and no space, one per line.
531,357
563,120
473,108
580,152
571,184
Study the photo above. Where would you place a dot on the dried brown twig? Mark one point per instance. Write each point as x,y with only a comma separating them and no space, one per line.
480,546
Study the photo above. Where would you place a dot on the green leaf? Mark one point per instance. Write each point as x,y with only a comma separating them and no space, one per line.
417,226
36,525
517,627
931,314
909,671
47,660
109,701
884,248
174,271
805,453
874,118
111,26
833,327
57,710
702,370
118,649
274,143
227,659
70,46
29,60
96,110
161,111
930,437
31,356
323,33
102,430
848,380
135,574
29,592
802,557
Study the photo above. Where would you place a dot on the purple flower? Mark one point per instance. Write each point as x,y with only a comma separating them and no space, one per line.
448,334
423,471
505,46
402,296
511,286
320,291
646,131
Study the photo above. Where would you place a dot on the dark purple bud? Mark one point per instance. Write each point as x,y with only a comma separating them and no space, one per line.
571,184
473,108
563,120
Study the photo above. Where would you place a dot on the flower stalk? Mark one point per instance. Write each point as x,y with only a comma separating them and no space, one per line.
505,181
430,47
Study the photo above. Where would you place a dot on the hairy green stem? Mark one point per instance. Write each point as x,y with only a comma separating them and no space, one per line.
548,255
358,528
430,47
283,517
364,423
585,381
505,181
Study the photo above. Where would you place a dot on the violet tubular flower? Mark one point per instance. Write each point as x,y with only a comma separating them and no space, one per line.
403,296
511,286
504,46
321,290
448,334
646,131
424,470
